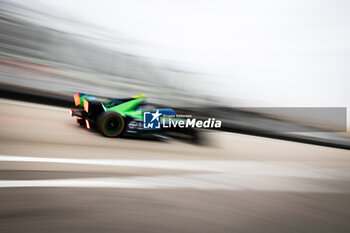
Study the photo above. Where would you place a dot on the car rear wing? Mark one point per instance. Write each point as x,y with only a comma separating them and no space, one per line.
80,97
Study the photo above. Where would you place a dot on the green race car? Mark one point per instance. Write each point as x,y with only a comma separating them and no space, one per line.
124,117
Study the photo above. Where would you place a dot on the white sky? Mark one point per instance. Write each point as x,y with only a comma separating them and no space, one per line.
286,53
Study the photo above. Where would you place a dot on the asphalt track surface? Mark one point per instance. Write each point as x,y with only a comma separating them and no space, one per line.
58,177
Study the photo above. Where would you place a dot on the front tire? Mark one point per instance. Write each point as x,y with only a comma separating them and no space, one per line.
111,124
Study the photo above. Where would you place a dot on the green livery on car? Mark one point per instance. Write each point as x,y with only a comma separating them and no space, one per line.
121,117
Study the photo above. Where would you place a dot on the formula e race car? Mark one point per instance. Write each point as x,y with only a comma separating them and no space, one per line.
124,117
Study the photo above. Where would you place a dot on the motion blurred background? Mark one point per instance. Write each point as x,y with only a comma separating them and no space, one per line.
251,53
205,57
270,69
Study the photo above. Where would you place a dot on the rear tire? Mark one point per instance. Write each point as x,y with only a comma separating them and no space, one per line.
111,124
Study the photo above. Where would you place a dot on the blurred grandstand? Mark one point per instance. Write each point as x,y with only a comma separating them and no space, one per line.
36,54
